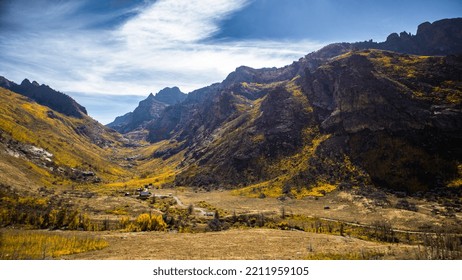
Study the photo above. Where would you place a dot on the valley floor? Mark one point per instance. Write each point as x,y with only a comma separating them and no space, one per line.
337,226
243,244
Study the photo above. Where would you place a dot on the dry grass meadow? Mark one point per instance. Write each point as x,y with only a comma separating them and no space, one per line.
348,229
241,244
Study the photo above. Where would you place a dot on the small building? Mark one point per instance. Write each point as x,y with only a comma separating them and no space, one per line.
144,194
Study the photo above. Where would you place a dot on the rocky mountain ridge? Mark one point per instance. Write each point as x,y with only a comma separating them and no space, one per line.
439,38
46,96
148,110
328,116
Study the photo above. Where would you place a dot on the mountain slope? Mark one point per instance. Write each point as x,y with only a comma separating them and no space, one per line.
40,146
46,96
314,130
342,117
402,115
339,116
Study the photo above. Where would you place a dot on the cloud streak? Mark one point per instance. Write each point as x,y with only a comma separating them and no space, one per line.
181,21
166,43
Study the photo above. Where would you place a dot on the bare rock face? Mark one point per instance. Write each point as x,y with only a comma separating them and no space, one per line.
351,98
170,96
264,75
396,123
357,93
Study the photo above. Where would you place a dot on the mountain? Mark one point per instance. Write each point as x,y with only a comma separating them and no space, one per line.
344,115
147,110
46,96
170,96
40,146
348,116
400,115
442,37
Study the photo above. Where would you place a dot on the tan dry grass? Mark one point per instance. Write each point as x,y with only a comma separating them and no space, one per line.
343,207
240,244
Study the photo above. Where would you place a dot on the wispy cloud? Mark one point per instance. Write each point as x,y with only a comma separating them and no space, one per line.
166,43
170,22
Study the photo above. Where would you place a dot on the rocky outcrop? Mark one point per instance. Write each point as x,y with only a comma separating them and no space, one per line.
179,116
359,92
263,75
443,37
349,97
170,96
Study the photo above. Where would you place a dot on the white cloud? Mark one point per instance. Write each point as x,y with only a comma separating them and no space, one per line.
164,45
169,22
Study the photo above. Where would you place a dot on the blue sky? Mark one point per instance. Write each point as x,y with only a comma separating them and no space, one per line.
113,53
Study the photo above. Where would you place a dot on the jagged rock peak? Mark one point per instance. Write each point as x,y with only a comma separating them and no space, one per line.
441,37
170,95
27,83
148,110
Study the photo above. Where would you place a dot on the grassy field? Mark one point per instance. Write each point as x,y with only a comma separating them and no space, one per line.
242,244
347,230
33,245
343,206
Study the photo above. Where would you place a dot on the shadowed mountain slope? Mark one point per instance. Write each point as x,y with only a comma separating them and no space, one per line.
46,96
343,115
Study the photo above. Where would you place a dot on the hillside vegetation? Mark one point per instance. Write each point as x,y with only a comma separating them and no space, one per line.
47,147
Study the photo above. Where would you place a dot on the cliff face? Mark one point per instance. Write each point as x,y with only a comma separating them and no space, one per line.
400,113
376,91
